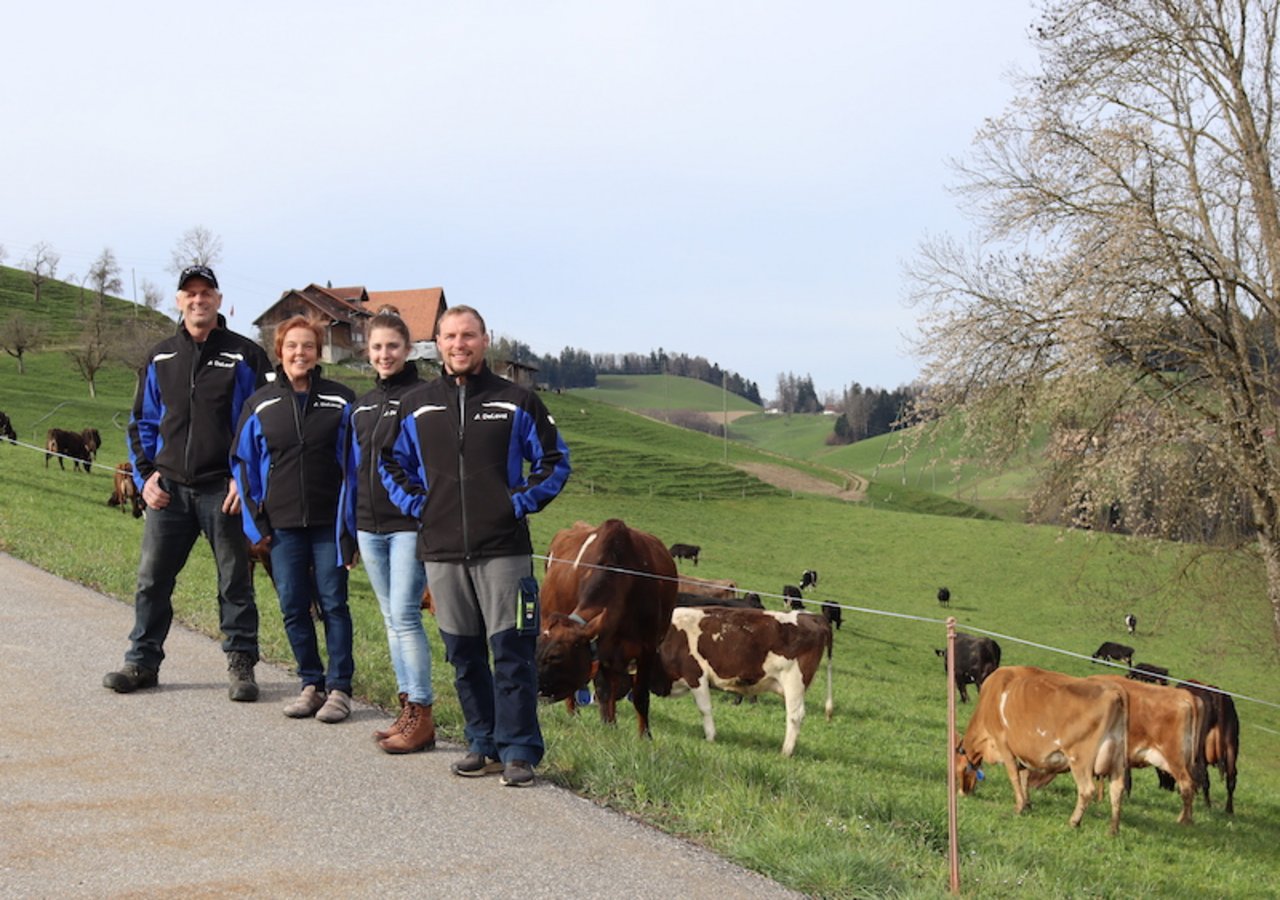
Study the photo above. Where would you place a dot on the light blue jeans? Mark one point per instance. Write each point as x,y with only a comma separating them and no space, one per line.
398,577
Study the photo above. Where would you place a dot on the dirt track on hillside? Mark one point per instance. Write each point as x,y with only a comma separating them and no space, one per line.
791,480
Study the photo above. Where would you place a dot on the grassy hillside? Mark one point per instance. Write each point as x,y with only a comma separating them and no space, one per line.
62,309
663,392
860,810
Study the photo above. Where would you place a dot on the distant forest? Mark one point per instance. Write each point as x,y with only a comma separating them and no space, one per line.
578,369
860,412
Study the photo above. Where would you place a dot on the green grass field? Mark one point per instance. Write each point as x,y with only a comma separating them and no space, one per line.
860,810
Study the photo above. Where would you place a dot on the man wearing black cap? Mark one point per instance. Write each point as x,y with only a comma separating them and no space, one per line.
184,416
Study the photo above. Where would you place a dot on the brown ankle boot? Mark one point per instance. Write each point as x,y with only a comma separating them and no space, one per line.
418,733
381,734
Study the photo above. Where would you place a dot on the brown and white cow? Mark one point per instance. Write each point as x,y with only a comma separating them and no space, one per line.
1164,732
744,651
608,594
1034,719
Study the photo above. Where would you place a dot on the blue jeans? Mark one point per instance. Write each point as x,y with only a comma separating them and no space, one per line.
397,576
167,538
304,563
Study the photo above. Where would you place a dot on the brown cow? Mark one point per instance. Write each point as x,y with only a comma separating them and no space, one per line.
722,588
69,445
746,652
1164,732
1029,718
608,593
1220,738
124,493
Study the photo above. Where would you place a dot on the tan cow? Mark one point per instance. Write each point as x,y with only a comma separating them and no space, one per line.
1164,725
1034,719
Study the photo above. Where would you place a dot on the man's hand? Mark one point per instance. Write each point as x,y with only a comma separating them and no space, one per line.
231,505
152,494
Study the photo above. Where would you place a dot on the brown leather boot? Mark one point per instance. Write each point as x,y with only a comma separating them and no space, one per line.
418,733
381,734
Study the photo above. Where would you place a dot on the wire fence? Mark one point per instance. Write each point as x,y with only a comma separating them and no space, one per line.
929,620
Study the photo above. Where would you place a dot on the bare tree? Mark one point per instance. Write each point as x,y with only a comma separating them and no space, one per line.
1124,283
4,254
17,336
198,246
91,351
131,343
41,264
152,296
104,275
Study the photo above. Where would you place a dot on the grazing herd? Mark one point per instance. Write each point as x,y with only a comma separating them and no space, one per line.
616,612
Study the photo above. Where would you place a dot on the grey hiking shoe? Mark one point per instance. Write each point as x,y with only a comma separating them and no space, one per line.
474,765
518,773
131,677
243,687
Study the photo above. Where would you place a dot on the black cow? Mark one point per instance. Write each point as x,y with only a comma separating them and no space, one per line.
685,551
809,579
1131,623
1117,652
1148,672
833,613
976,658
6,429
944,596
748,601
792,598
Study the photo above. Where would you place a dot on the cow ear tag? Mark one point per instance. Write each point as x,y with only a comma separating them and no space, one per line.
981,775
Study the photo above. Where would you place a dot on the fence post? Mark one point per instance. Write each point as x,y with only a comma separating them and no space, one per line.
953,840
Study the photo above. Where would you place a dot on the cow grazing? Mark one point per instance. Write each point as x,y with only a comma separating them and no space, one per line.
1148,673
92,441
976,658
1033,719
747,652
1164,732
68,444
944,596
832,613
725,588
124,493
748,601
808,579
791,597
7,431
1131,623
685,551
260,554
1220,738
1114,651
608,594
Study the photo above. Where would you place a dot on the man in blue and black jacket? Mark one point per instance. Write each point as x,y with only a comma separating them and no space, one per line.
458,466
184,417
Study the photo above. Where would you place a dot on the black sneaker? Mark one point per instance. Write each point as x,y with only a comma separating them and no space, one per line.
130,678
518,773
474,765
243,686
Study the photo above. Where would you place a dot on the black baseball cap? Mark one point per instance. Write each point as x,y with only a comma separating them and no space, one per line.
197,272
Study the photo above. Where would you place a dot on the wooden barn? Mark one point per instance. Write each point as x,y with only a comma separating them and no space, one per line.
345,312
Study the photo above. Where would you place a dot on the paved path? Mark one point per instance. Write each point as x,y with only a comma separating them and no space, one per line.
179,792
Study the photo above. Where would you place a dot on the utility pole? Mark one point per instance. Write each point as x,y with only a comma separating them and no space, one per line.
724,418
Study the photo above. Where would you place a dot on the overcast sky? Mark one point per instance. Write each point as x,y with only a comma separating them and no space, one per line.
733,179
